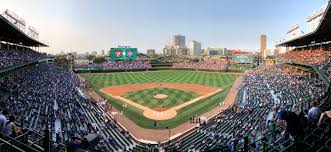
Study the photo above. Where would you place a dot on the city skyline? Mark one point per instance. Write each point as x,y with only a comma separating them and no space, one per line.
90,26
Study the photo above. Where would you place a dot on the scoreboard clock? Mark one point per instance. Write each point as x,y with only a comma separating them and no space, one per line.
121,54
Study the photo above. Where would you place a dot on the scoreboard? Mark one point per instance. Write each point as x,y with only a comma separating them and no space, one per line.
121,54
242,58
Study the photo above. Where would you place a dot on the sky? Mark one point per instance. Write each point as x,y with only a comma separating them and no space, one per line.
93,25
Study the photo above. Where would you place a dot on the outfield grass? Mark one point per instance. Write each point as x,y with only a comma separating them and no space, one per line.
221,80
146,97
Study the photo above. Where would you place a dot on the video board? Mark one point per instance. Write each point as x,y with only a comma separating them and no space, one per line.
242,58
121,54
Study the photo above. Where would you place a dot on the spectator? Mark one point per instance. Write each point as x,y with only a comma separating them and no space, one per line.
304,120
10,128
292,126
324,115
3,118
313,113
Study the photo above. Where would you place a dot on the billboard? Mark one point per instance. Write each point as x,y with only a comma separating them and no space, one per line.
121,54
242,58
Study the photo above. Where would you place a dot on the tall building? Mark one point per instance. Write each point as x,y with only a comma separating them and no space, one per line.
169,50
263,45
102,52
181,50
150,52
215,51
178,40
177,46
195,48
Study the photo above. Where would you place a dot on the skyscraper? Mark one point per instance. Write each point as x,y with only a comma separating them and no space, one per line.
150,52
195,48
263,45
178,40
102,52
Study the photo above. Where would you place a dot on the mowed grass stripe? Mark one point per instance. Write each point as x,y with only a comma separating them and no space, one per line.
146,97
221,80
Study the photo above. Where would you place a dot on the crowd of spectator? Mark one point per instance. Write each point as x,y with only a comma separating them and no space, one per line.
13,57
326,67
204,65
306,56
52,92
320,58
116,65
287,84
277,93
175,59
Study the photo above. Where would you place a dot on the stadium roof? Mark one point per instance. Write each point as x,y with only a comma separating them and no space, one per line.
10,33
321,34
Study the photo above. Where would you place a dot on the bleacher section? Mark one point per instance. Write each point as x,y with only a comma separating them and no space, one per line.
263,90
13,57
319,58
202,65
115,66
70,114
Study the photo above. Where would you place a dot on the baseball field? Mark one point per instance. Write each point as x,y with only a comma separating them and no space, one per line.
162,99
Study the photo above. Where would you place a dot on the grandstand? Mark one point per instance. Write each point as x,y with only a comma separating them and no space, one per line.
58,109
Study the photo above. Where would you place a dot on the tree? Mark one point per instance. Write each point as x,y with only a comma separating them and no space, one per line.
155,56
90,57
99,60
196,60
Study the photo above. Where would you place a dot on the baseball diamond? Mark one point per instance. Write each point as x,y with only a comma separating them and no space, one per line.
190,93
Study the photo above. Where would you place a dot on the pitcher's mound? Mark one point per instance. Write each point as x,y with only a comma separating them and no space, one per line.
160,96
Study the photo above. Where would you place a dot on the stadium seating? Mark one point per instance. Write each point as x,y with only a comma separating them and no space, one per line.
13,56
306,56
320,58
74,115
262,89
202,65
174,59
118,65
70,114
